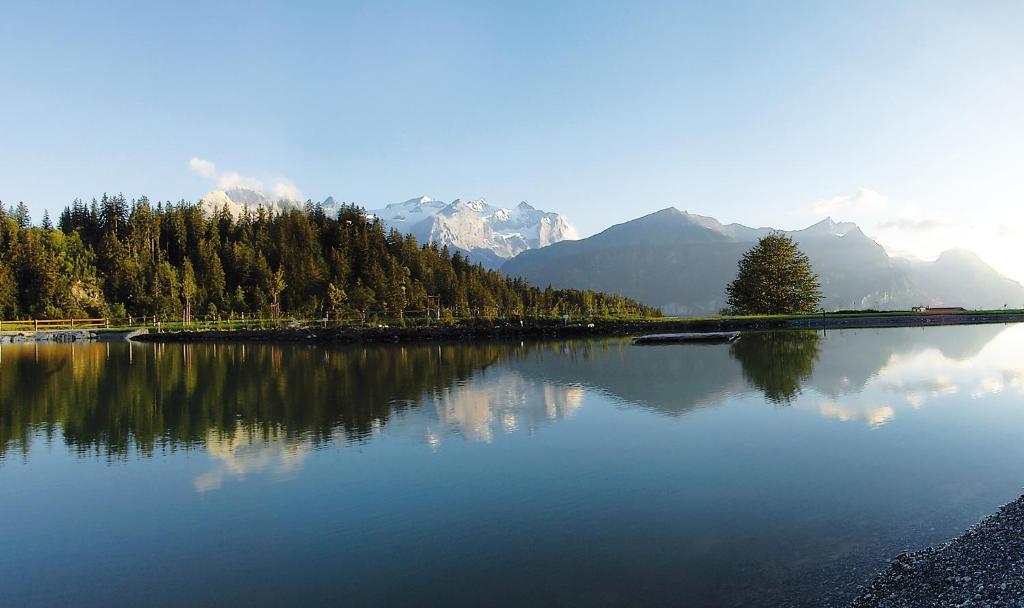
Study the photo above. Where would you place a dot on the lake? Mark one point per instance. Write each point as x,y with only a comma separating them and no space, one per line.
783,469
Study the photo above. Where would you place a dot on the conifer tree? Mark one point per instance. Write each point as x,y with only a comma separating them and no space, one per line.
169,259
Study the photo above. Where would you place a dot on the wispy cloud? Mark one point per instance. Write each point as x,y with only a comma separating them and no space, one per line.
280,189
863,198
1007,232
286,190
914,225
232,179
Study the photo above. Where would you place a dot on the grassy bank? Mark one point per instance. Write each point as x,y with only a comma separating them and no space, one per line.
396,331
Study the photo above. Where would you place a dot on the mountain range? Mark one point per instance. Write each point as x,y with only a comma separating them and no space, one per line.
487,234
678,261
682,263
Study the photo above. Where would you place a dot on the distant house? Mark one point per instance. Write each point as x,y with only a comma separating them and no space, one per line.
940,310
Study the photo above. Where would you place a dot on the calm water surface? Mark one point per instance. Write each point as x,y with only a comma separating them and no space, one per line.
780,470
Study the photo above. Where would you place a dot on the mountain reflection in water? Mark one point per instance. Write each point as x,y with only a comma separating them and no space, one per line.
250,406
781,470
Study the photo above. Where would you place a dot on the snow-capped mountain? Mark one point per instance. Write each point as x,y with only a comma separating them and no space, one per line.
488,234
237,200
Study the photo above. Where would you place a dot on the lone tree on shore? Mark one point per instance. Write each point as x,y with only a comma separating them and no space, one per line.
774,278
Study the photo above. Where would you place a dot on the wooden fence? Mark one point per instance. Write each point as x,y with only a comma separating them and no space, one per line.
52,324
370,318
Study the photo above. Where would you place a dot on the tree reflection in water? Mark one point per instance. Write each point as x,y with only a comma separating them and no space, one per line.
777,362
107,399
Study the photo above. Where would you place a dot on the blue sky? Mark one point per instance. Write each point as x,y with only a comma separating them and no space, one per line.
905,117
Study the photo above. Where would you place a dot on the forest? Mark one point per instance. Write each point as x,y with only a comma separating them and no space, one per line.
113,258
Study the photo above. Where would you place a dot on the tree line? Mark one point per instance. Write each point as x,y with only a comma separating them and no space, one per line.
113,257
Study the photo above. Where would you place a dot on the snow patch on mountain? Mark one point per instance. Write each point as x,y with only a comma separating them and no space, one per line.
476,226
238,200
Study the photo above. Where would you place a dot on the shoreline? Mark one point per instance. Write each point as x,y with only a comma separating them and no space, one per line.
984,566
483,330
68,336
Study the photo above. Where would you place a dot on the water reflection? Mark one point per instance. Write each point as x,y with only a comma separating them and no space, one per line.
776,362
504,402
532,466
249,406
108,400
672,380
249,452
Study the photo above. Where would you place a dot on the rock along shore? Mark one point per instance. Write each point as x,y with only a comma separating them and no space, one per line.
482,330
982,568
60,336
64,336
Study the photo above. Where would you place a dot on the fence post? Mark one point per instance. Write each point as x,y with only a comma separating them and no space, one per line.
35,324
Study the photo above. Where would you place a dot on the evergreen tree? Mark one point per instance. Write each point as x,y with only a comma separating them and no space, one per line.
8,293
774,278
189,289
22,216
114,257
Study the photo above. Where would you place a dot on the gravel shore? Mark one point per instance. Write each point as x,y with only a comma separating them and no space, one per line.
983,567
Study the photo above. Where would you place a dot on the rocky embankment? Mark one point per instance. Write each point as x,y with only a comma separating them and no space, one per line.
982,568
72,335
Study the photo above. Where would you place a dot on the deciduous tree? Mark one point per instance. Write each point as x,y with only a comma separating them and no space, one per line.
774,278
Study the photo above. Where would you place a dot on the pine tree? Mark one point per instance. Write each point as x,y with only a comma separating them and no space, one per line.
188,288
8,293
169,259
774,278
22,216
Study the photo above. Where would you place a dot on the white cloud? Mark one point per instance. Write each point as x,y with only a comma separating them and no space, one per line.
280,189
863,198
286,190
202,167
232,179
1005,231
914,225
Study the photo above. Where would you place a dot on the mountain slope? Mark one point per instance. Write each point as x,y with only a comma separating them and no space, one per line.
959,276
670,256
682,263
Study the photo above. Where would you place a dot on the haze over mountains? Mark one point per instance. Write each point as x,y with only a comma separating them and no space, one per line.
682,263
